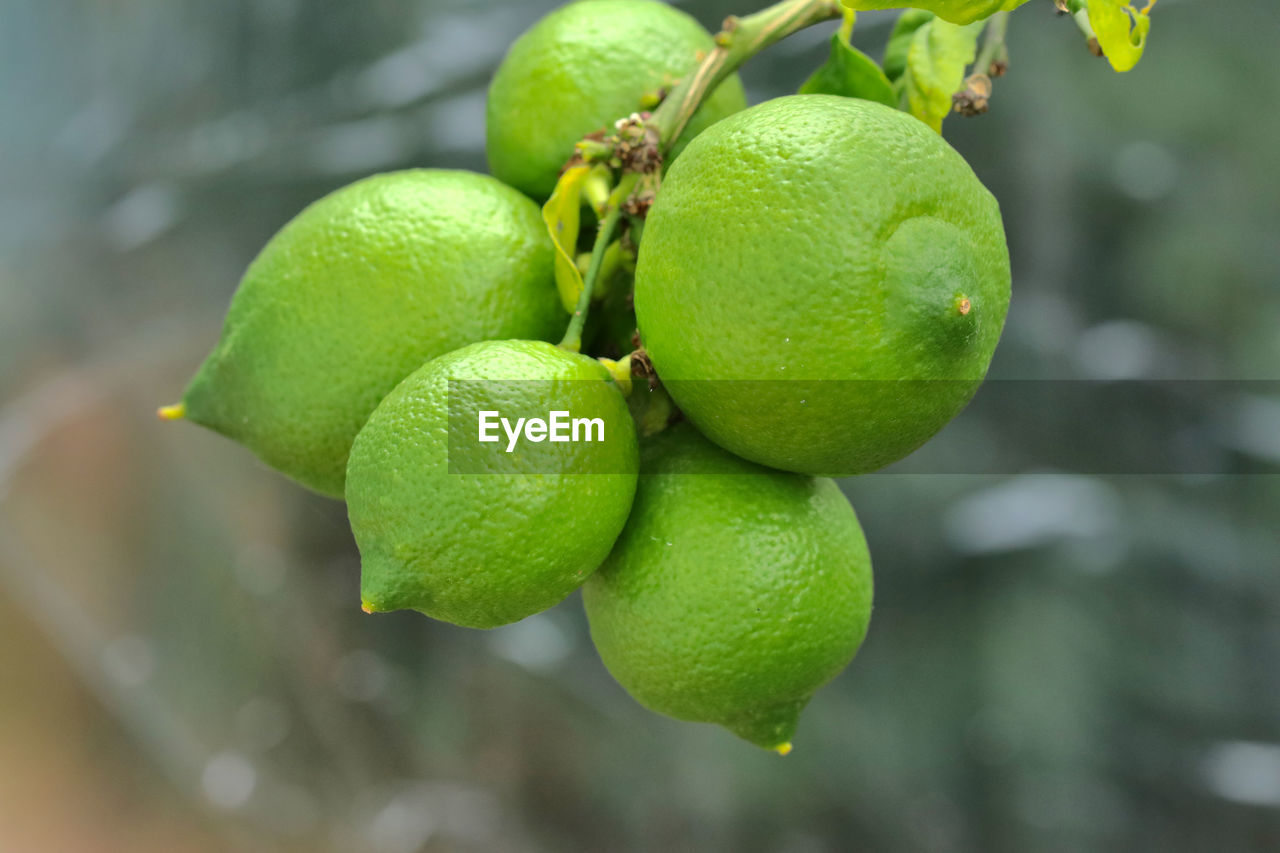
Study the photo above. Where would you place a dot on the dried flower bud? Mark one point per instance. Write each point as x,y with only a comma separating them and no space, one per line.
975,98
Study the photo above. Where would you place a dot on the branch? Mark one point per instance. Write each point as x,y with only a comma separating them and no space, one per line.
608,226
993,47
992,60
741,39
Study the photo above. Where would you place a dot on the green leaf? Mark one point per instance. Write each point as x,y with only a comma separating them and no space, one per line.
936,61
955,11
1121,31
895,52
563,216
851,73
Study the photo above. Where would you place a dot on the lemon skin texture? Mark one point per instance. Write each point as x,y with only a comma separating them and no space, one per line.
357,292
822,284
465,532
579,70
735,591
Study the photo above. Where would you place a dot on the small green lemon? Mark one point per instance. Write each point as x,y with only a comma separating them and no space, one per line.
482,534
734,592
822,284
580,69
358,291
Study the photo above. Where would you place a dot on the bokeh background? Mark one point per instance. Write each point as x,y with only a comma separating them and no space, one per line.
1062,658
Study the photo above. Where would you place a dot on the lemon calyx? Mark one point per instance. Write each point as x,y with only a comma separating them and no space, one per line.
619,372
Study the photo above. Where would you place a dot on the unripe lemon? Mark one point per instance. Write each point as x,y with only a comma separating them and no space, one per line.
734,592
357,292
465,531
580,69
822,284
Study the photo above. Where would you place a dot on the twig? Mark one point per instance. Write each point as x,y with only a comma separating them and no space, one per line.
993,44
608,227
741,39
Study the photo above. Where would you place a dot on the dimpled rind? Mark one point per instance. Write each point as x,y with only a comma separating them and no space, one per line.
734,592
482,549
357,292
580,69
836,270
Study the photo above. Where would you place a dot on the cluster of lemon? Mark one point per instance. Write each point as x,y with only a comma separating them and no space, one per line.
819,285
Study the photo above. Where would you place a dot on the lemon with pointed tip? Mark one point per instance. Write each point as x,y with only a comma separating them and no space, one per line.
734,593
483,533
579,70
822,284
357,292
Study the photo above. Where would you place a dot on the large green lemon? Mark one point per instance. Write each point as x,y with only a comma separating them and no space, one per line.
481,534
357,292
735,591
822,283
580,69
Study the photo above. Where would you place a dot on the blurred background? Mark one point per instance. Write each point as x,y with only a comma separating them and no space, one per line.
1062,658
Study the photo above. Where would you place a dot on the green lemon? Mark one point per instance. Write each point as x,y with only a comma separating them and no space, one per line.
474,533
956,11
735,591
822,284
358,291
580,69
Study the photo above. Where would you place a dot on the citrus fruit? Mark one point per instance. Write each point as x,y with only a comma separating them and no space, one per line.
466,531
357,292
822,283
956,11
580,69
733,593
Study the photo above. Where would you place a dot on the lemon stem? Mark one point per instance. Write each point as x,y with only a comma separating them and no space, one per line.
993,44
846,27
604,236
741,39
1080,14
